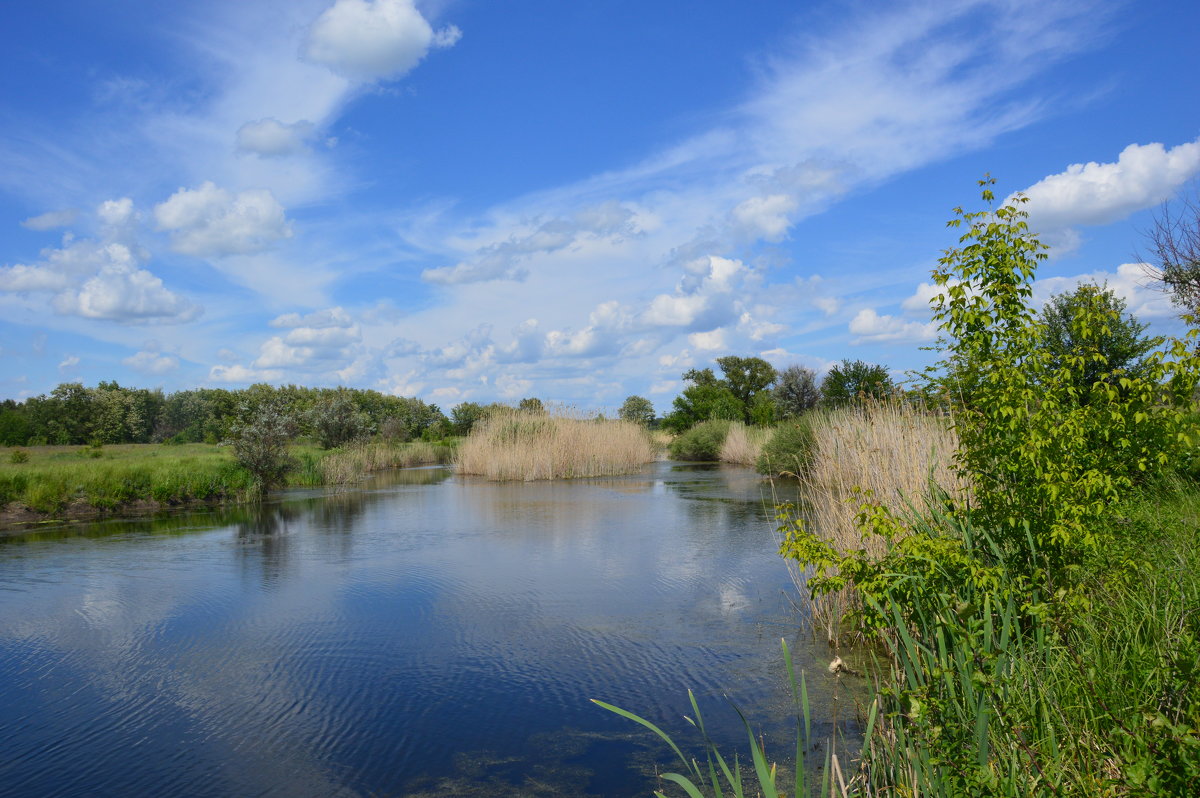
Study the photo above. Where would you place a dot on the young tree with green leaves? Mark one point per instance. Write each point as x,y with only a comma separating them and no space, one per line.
796,391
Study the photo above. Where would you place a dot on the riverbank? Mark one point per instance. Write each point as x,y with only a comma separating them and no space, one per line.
44,484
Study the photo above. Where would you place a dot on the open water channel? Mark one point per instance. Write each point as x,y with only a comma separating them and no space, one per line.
428,634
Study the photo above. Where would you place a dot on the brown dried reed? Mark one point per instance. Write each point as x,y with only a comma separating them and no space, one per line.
743,444
528,446
889,452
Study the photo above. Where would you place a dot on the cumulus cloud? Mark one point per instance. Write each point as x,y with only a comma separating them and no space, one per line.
148,362
51,220
1131,282
505,260
99,280
703,300
68,364
867,325
321,339
369,40
710,341
271,138
1100,193
116,213
127,294
211,222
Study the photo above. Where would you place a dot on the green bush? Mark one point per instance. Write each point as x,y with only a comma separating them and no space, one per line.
18,456
702,442
789,449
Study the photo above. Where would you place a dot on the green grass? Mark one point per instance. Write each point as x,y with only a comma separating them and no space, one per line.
54,479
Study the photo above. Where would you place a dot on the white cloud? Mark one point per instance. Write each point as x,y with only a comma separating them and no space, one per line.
664,386
504,260
708,341
20,278
125,294
241,374
68,364
270,138
210,222
116,213
322,339
765,217
703,299
51,220
1131,282
373,39
867,325
1100,193
152,362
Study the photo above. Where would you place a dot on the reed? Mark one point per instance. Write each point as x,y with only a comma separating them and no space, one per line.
528,446
888,451
350,464
743,445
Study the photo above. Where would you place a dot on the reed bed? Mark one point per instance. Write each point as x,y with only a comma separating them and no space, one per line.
743,445
529,446
887,452
350,464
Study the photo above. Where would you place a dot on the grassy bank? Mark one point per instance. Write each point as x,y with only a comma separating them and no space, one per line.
46,482
529,446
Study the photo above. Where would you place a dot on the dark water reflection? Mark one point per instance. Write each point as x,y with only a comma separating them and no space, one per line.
428,634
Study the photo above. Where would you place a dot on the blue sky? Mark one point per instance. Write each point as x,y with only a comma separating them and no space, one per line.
483,200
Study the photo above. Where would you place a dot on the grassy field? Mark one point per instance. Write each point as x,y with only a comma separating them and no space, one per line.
58,481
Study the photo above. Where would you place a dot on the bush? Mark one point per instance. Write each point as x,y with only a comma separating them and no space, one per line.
789,449
702,442
260,444
18,456
338,421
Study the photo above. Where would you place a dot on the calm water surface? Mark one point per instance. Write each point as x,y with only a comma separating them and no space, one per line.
430,635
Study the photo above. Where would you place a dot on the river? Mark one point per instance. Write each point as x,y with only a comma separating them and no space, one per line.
427,634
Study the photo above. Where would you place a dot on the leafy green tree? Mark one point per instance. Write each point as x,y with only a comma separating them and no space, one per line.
1045,467
465,415
1118,349
747,378
854,379
638,410
796,391
707,398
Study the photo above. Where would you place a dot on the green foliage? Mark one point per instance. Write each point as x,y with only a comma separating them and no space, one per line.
789,448
1050,457
18,456
701,443
795,392
337,421
851,380
260,443
706,398
749,379
637,410
531,404
1117,349
464,416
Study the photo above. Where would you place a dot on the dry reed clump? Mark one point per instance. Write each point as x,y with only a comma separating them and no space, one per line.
529,446
743,444
888,452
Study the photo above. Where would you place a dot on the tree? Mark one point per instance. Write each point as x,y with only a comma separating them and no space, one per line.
748,378
705,399
1175,241
260,442
531,405
638,410
465,415
852,380
1114,348
337,421
796,392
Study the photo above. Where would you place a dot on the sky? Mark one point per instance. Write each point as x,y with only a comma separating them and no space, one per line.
483,200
